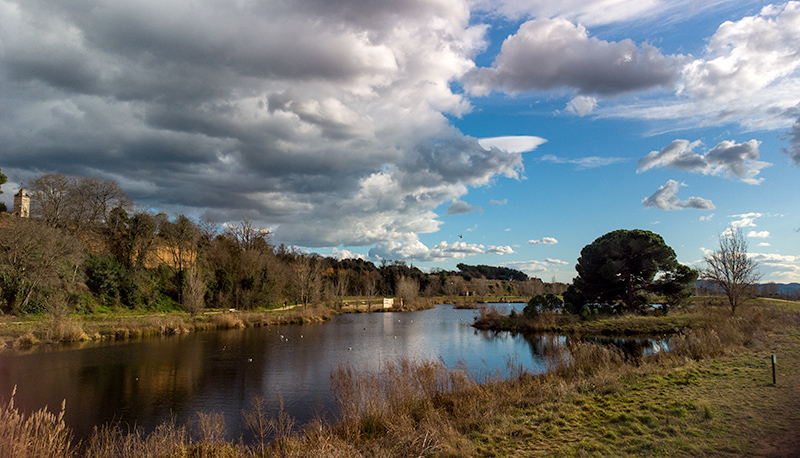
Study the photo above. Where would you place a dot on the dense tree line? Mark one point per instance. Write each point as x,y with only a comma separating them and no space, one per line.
86,248
492,272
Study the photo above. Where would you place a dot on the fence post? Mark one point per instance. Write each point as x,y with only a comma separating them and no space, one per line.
774,382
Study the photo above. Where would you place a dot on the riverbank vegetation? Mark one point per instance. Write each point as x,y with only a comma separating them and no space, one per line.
87,254
712,395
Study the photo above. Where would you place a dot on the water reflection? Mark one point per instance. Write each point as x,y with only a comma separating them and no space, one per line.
148,381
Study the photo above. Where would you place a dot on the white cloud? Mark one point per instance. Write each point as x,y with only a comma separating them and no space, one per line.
727,158
554,53
498,202
500,249
410,248
584,162
745,220
777,267
548,264
764,244
707,217
513,144
544,241
758,235
665,199
582,105
747,74
345,254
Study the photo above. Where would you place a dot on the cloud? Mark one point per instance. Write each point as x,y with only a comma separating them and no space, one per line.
345,254
536,266
758,235
554,53
500,249
745,220
783,268
328,123
727,158
584,162
707,217
410,248
764,244
665,199
747,74
498,202
582,105
593,12
513,144
793,151
544,241
459,207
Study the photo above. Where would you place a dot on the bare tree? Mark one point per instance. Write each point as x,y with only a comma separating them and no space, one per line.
309,278
63,200
370,287
407,290
35,259
731,269
50,197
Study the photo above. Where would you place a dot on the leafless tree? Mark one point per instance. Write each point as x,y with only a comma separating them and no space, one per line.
407,290
480,286
35,259
370,283
731,269
308,278
63,200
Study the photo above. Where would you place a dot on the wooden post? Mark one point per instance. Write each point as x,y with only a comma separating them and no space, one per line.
774,382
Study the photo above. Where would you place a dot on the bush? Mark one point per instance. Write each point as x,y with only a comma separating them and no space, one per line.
548,302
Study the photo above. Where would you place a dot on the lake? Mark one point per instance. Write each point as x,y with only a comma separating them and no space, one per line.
145,382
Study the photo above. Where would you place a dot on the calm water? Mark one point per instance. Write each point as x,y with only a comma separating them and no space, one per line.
146,382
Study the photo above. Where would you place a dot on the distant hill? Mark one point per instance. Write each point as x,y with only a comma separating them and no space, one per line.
787,290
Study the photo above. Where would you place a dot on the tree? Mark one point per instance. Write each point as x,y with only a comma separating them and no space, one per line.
180,243
63,200
35,261
732,270
548,302
626,266
3,180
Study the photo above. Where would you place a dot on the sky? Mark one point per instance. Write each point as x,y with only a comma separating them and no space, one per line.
500,132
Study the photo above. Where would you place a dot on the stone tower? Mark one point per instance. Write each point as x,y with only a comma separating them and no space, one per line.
22,204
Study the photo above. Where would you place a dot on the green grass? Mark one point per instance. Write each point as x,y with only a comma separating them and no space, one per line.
726,406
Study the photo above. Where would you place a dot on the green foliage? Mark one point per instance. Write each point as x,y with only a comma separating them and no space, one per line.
3,180
542,303
491,272
108,278
627,266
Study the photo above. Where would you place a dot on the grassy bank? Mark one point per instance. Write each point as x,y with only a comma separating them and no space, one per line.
702,312
711,396
22,332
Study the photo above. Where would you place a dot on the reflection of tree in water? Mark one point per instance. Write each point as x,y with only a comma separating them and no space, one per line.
633,347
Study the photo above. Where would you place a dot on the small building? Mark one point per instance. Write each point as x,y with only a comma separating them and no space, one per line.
22,204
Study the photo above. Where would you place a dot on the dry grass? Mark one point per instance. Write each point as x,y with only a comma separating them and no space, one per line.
40,434
64,330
